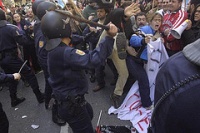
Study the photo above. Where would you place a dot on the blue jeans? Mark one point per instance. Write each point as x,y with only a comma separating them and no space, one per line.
136,69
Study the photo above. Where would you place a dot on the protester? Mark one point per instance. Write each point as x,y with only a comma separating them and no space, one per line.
171,21
136,64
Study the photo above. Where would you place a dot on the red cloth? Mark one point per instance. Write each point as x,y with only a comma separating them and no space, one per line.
173,20
2,5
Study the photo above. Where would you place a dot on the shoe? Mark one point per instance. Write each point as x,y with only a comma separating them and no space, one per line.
40,97
60,122
116,100
97,88
121,45
16,101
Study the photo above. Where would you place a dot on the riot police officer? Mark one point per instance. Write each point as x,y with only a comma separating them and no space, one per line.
4,123
40,43
10,61
66,67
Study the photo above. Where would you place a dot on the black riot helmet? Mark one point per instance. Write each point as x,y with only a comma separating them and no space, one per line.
35,5
54,26
2,15
43,7
105,3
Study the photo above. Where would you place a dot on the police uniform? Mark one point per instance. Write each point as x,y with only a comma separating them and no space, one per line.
4,124
66,66
70,83
40,43
41,52
11,63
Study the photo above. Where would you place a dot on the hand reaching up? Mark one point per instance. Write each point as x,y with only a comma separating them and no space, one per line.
131,10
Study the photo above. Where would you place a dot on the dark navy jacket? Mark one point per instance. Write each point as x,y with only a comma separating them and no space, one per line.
67,64
6,77
179,113
9,37
40,42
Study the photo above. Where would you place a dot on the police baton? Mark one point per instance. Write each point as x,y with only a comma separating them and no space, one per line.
79,19
22,66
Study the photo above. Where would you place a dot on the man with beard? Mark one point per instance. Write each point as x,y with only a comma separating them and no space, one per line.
140,20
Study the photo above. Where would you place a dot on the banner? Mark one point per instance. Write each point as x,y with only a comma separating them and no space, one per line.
131,108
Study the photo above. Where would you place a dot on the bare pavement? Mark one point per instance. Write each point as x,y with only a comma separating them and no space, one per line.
31,117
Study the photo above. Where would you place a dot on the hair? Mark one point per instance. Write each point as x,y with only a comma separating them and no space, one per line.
192,16
153,16
125,4
195,2
140,14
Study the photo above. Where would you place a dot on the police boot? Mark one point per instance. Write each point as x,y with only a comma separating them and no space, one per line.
39,96
55,117
15,100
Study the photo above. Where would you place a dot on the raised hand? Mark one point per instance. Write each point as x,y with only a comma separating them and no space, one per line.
131,10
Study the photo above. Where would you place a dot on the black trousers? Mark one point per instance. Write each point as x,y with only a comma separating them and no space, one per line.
77,115
48,89
4,124
11,63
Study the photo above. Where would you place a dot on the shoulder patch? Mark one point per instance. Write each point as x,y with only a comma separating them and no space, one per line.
80,52
41,44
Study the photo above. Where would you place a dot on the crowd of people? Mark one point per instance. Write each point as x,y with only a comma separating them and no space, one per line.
66,50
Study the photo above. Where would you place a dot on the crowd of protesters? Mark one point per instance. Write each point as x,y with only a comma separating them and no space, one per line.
154,19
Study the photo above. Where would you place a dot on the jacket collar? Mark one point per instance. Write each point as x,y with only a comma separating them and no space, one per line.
192,52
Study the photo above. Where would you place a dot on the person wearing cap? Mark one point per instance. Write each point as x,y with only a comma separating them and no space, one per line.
10,61
177,92
66,66
4,123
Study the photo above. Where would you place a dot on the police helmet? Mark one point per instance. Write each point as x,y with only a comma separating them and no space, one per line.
105,3
43,7
56,29
35,5
2,15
